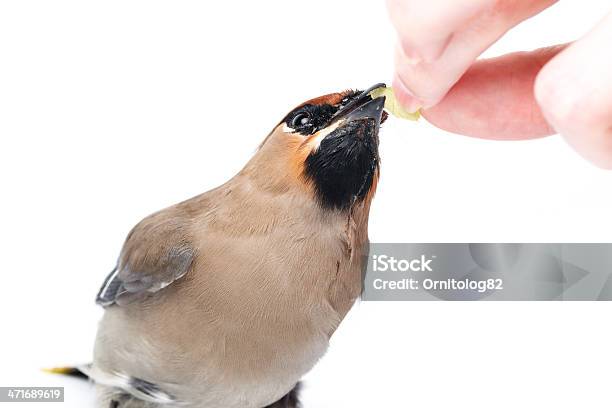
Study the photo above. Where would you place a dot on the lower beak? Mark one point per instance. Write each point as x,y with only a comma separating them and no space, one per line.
371,109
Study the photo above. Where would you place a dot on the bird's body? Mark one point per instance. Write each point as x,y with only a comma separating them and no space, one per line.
226,300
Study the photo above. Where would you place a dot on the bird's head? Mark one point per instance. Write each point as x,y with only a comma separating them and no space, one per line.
328,147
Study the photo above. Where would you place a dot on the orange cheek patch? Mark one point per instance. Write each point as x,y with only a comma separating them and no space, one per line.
370,195
306,144
300,149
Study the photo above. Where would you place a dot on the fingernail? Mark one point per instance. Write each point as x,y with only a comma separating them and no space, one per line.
405,97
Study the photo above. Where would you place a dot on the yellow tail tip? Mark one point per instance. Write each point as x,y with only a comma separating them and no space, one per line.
58,370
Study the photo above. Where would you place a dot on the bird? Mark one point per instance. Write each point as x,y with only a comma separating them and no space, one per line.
227,299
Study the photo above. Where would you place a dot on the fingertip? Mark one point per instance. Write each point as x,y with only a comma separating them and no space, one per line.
547,87
405,97
410,78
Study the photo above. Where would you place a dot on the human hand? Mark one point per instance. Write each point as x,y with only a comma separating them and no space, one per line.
564,88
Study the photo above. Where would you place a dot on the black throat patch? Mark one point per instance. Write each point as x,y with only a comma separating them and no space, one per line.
342,169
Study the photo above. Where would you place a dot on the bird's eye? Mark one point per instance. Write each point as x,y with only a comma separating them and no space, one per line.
301,119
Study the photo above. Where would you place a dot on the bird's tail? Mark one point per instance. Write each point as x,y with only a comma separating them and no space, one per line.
77,372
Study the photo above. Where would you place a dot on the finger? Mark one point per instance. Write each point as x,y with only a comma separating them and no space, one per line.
495,99
575,92
423,83
425,27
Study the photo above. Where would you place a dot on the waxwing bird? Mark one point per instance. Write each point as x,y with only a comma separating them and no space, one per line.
227,299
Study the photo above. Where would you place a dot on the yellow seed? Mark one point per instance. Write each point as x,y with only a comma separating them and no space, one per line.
392,105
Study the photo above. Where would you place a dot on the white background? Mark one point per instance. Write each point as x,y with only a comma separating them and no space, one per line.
112,110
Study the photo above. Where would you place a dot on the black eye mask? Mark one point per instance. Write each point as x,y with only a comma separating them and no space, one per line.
308,118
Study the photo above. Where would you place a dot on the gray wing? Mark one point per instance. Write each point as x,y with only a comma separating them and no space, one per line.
156,253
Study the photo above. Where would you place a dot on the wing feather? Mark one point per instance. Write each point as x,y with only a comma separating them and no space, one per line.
157,252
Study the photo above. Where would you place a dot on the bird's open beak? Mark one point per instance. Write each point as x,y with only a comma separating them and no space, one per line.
363,107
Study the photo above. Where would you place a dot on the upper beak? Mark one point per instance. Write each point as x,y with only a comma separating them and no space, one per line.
363,107
372,109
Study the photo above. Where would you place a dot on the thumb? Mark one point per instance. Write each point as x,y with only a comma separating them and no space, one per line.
495,99
575,92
